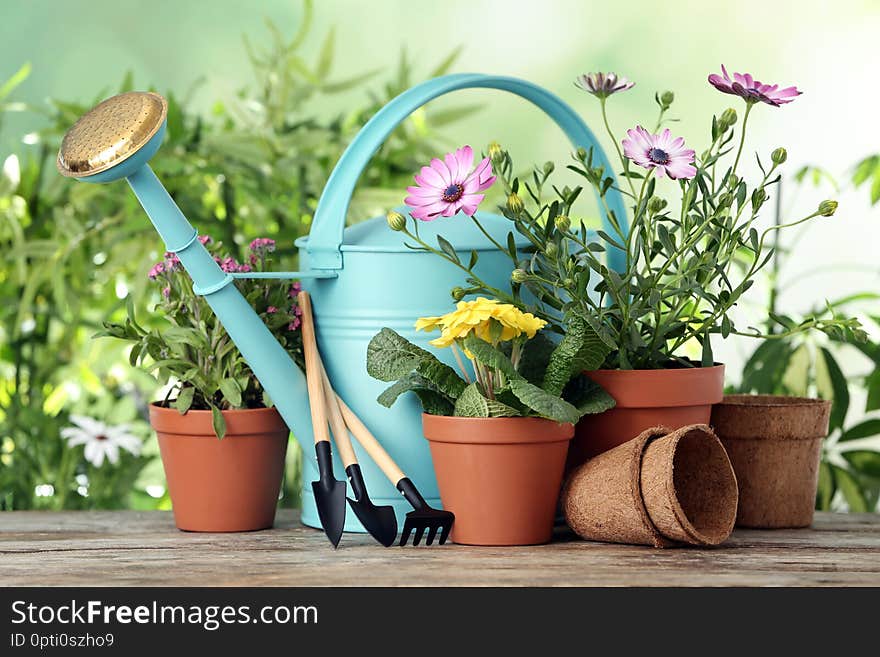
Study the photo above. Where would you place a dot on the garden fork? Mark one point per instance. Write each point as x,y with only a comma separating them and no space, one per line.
423,517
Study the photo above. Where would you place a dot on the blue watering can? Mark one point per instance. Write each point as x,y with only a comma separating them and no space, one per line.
360,278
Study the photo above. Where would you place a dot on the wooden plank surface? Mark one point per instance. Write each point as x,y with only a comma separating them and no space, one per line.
145,549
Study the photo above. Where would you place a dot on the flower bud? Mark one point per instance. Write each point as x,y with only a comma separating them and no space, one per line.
568,282
779,156
732,181
396,221
550,249
725,200
582,153
519,276
666,99
728,118
656,204
827,208
548,168
514,203
458,293
562,222
495,152
758,198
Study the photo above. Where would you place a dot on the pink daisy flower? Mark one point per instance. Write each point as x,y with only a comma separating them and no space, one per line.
662,152
450,185
603,85
751,90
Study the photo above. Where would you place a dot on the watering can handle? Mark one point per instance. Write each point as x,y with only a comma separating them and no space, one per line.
325,237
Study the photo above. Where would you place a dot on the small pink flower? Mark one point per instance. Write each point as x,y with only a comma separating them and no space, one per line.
271,310
297,311
262,245
449,185
166,292
662,152
295,324
228,264
244,268
602,85
172,262
751,90
295,289
252,259
205,240
156,270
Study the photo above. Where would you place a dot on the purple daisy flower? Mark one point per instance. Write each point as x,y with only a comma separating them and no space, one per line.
751,90
662,152
602,85
450,185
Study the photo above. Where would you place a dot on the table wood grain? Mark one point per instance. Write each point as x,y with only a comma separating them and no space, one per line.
126,548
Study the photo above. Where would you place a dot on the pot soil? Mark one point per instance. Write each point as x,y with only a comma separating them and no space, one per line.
228,485
774,444
499,476
661,488
670,398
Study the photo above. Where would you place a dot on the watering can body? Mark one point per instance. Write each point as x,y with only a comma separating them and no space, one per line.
361,279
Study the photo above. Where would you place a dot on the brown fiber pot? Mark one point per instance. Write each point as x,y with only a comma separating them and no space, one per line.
228,485
774,444
669,398
661,488
499,476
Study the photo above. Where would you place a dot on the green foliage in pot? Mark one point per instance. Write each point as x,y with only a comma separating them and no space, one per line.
685,265
517,372
255,165
192,350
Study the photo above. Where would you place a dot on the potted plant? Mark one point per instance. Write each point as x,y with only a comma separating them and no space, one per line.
222,442
685,266
499,427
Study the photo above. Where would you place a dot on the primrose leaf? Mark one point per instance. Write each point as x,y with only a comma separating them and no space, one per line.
471,403
543,403
390,356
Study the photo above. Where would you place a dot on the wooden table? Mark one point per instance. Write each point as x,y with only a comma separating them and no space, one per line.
144,548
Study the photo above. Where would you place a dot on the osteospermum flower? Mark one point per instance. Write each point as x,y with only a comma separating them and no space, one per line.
450,185
101,440
602,85
661,152
477,316
753,91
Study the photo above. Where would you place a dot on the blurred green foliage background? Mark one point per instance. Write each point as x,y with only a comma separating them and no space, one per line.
255,127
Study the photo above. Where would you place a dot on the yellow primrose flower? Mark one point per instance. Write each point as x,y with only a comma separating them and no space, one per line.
476,316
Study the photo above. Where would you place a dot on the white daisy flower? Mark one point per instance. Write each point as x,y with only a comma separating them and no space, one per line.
101,440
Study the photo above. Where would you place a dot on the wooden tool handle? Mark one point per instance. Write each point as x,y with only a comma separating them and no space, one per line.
313,370
369,443
337,422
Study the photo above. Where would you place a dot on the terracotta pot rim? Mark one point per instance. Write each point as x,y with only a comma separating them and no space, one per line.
239,422
669,388
669,371
770,401
495,430
197,411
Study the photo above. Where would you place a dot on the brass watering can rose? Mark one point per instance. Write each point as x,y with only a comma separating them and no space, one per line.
111,132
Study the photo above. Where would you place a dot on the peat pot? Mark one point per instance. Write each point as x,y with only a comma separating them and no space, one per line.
774,444
228,485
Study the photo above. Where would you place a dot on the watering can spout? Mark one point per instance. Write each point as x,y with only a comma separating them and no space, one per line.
115,140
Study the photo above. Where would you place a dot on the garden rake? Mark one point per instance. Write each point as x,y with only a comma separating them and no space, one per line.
423,517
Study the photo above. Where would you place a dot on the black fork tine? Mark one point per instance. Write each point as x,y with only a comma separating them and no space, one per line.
447,527
419,533
407,530
432,533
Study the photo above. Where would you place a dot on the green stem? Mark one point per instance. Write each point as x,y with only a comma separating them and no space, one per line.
623,161
742,139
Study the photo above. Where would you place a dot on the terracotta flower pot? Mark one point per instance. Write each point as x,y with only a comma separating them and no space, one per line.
774,444
228,485
499,476
671,398
659,489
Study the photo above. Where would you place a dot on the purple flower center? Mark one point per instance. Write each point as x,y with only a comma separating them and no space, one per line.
658,156
452,193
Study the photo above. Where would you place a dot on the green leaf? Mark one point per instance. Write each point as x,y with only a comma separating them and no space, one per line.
587,396
433,403
841,390
445,64
447,248
851,490
872,385
826,489
488,355
410,383
231,392
16,79
390,356
535,357
218,422
471,403
580,349
444,378
864,461
267,400
864,429
325,59
184,399
543,403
